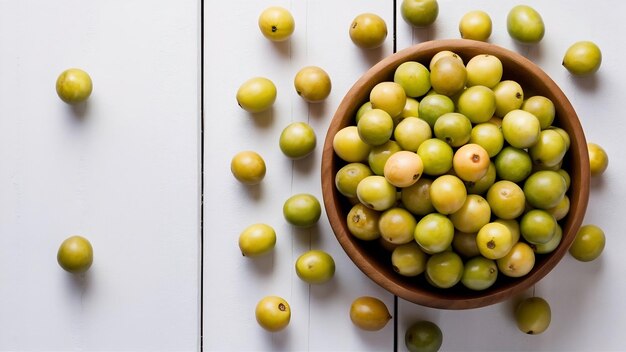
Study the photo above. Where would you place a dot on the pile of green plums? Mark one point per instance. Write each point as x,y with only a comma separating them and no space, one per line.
456,172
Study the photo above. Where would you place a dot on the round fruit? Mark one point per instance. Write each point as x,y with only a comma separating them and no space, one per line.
419,13
494,240
513,164
549,149
520,129
582,58
368,31
423,336
369,313
256,94
477,103
349,146
302,210
448,76
537,226
454,128
434,233
543,248
544,189
479,273
509,96
525,24
375,127
444,53
256,240
488,136
397,226
513,227
416,198
273,313
447,193
376,193
464,244
444,269
377,159
408,259
363,222
588,244
518,262
411,109
276,23
475,25
315,267
313,84
598,159
75,255
506,199
411,132
248,167
367,106
542,108
388,96
434,105
436,156
413,77
470,162
484,70
473,215
297,140
74,86
403,168
349,176
533,315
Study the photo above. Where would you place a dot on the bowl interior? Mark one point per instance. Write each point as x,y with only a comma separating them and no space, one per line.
375,261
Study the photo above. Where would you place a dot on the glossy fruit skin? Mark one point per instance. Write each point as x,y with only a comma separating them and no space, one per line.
408,259
315,267
413,77
479,273
423,336
470,162
74,86
411,132
397,226
256,94
488,136
302,210
444,269
520,129
273,313
477,103
588,244
436,156
248,167
75,255
533,315
297,140
513,164
453,128
349,176
434,233
525,24
256,240
377,159
368,31
276,23
447,193
349,146
419,13
598,159
475,25
403,168
448,76
509,96
473,215
433,106
537,226
416,198
313,84
376,192
582,58
543,109
375,127
411,109
518,262
363,222
464,244
494,240
369,313
506,199
444,53
388,96
549,149
485,70
548,247
544,189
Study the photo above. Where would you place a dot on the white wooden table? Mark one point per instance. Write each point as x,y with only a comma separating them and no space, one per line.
126,172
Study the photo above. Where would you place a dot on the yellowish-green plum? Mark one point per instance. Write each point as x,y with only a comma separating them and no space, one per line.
368,31
75,255
525,24
273,313
256,94
248,167
257,239
313,84
74,86
369,313
276,23
582,58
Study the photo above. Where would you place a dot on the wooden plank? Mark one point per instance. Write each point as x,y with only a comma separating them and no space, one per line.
123,172
233,284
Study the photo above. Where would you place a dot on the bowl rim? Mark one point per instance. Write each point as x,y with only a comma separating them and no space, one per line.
579,181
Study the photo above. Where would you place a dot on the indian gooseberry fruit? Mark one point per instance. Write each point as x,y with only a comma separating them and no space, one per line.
369,313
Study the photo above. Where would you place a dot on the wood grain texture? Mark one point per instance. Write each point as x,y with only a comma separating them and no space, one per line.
373,261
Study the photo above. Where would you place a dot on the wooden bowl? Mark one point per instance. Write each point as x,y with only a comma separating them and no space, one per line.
375,261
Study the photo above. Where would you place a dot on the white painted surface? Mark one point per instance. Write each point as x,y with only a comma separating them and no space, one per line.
124,173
